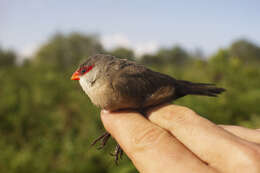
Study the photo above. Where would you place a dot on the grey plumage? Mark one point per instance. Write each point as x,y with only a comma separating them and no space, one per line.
126,84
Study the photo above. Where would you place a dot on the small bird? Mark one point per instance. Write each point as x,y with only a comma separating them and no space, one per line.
115,84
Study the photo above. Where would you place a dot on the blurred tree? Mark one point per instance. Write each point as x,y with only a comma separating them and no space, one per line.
220,63
7,57
197,54
245,50
64,51
175,55
148,59
122,52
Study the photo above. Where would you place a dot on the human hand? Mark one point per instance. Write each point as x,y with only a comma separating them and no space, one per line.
176,139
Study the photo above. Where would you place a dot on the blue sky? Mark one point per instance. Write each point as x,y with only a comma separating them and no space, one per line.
138,24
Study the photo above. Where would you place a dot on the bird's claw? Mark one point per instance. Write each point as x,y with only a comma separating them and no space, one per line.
103,138
118,153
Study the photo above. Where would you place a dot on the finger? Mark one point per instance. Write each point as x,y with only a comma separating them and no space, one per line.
150,148
251,135
219,148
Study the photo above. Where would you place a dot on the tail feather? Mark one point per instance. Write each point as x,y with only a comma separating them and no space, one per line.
186,88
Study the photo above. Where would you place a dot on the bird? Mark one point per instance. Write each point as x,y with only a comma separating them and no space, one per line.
115,84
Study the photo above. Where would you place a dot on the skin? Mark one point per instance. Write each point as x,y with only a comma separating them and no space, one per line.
176,139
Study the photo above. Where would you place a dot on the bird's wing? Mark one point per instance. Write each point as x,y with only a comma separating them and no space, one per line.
142,85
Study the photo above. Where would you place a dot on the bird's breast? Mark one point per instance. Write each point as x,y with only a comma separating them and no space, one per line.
97,91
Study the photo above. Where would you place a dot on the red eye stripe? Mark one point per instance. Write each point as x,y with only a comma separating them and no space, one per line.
85,69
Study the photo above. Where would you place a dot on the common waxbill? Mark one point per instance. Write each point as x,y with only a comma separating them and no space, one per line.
114,84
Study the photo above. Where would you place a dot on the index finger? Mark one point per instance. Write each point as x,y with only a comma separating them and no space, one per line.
213,144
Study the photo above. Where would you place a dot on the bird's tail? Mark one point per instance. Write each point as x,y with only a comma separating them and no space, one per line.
186,88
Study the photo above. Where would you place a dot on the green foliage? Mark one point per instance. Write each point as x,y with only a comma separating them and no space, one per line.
122,53
47,123
7,58
64,51
175,55
152,60
245,50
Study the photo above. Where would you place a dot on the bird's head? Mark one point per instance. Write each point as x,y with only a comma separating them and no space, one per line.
91,71
88,69
92,67
86,74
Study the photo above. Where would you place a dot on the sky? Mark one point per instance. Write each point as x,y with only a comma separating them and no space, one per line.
141,25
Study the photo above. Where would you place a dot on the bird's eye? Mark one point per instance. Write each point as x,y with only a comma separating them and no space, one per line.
83,71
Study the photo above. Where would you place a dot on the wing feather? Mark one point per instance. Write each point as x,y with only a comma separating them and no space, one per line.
143,86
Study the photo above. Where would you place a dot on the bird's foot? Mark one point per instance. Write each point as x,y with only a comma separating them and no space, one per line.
118,153
103,138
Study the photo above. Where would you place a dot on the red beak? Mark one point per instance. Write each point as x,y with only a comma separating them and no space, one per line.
75,76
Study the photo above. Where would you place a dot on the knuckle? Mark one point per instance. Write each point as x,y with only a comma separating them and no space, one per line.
185,111
179,114
147,137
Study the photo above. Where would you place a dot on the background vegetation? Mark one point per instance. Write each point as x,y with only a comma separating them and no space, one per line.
47,123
